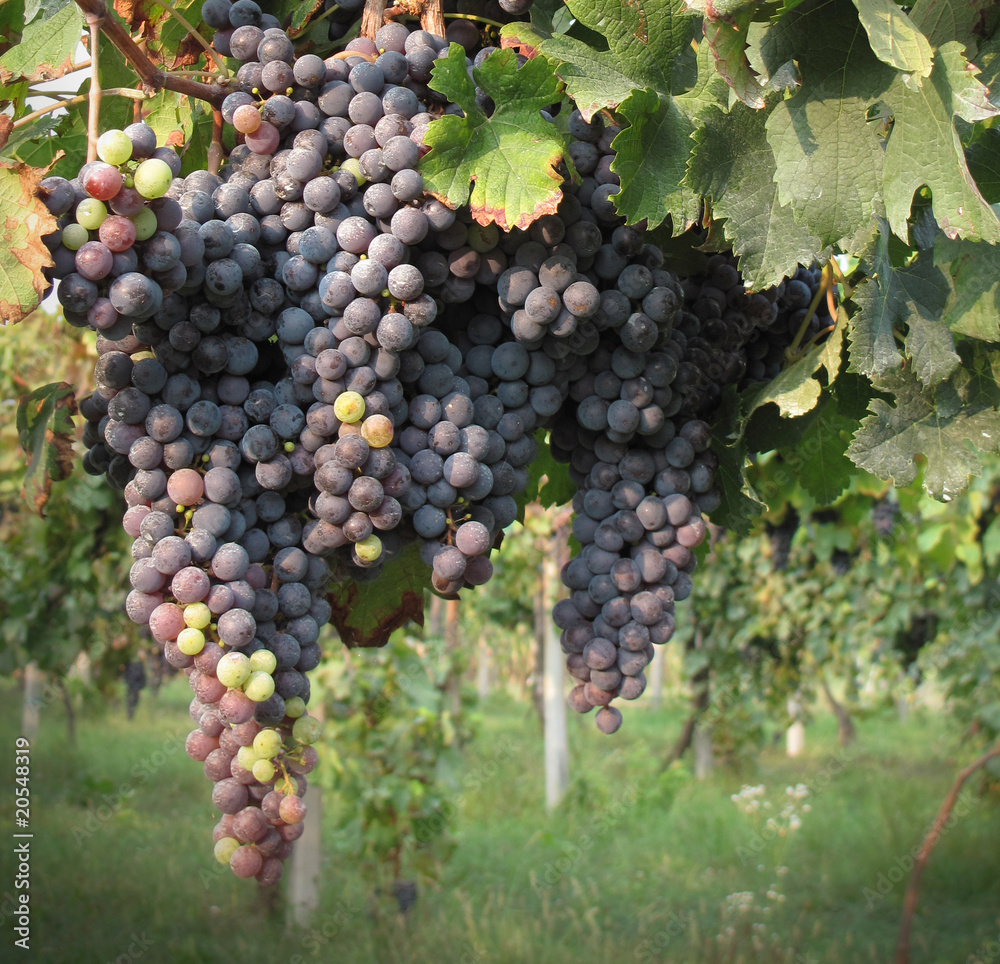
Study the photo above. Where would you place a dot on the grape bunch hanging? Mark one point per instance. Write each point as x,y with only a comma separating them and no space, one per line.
306,363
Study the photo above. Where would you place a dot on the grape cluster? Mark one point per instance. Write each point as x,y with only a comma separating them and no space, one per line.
306,363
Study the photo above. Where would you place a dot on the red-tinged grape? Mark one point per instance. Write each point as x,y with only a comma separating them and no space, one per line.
224,827
117,232
229,796
102,181
93,261
249,825
264,140
270,805
198,745
271,872
292,810
128,202
236,707
246,861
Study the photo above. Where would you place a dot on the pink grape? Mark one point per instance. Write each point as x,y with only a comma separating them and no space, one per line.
189,585
102,314
198,745
246,861
292,809
185,487
165,622
94,261
264,140
128,202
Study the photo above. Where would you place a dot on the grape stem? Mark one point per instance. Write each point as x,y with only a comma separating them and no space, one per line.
473,17
94,94
79,99
151,76
185,23
793,352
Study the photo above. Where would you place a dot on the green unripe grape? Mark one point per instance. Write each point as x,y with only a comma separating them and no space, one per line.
90,213
307,729
114,147
289,446
191,641
197,615
369,548
75,236
352,166
145,224
483,237
225,848
233,670
295,707
263,771
246,757
267,744
260,686
349,407
153,178
263,660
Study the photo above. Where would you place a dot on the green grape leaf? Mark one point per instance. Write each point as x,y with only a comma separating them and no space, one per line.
548,480
45,431
938,426
48,8
924,149
645,42
732,164
653,151
828,155
894,38
366,614
794,390
974,306
22,254
914,294
963,20
983,159
987,59
511,157
822,466
739,503
727,38
46,48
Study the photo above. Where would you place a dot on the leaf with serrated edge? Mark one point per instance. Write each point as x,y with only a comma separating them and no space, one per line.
644,41
973,309
894,38
45,431
913,294
726,39
509,158
828,156
944,20
890,439
732,164
22,254
924,149
653,150
46,48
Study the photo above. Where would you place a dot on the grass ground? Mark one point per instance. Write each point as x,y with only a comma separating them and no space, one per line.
635,866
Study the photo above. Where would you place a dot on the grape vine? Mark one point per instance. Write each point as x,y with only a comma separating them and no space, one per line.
640,240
